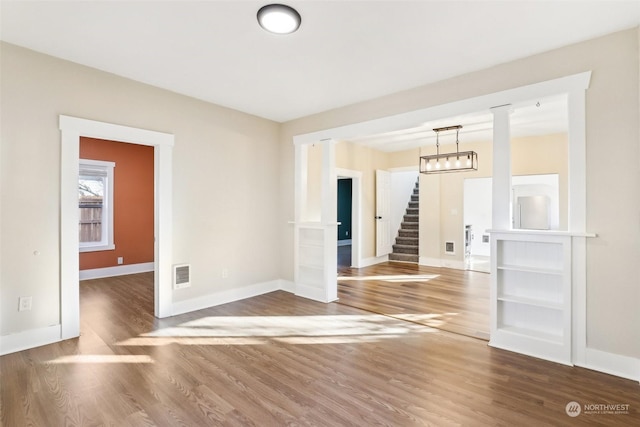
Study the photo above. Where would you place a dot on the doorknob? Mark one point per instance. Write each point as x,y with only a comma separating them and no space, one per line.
378,217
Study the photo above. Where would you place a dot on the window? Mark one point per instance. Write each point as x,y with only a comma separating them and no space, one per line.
95,202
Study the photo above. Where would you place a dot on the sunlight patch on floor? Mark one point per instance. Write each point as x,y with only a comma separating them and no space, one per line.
160,341
430,319
255,330
102,358
391,278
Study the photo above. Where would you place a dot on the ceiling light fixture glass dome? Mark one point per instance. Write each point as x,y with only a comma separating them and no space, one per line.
279,18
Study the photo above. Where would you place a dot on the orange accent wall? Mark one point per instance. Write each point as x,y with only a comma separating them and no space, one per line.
133,203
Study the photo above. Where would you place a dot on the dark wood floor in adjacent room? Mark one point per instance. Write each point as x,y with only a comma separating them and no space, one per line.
444,298
280,360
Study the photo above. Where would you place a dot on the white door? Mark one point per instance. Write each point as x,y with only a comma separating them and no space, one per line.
383,213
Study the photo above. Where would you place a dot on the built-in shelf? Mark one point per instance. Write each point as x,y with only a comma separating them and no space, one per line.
531,293
312,271
311,245
531,333
546,233
527,269
531,301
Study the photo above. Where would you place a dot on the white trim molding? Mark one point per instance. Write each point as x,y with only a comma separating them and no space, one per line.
29,339
230,295
102,170
429,261
116,270
442,263
574,86
612,364
366,262
71,129
356,216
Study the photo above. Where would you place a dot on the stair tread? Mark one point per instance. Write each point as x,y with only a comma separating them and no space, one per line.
404,257
406,246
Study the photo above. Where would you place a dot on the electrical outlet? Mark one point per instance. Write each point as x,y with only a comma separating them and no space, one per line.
120,260
225,273
24,303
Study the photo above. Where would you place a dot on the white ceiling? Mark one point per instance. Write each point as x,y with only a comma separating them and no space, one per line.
344,52
535,117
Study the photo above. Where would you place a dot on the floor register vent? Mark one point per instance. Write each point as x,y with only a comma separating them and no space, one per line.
181,276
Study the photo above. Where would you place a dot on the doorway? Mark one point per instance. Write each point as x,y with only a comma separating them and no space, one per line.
115,208
477,222
72,128
344,216
573,87
349,246
477,212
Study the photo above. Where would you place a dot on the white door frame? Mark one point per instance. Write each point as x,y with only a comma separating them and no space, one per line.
574,86
72,128
356,209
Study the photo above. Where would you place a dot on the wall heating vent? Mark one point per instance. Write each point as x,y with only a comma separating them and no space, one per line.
449,248
181,276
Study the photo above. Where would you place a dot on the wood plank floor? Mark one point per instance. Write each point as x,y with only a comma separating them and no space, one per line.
451,300
280,360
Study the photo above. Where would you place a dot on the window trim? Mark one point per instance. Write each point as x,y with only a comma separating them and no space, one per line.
107,243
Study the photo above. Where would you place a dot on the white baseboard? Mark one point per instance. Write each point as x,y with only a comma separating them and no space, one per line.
458,265
612,364
118,270
430,262
311,292
441,262
366,262
287,286
230,295
29,339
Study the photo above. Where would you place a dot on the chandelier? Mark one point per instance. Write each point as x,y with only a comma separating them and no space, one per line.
459,161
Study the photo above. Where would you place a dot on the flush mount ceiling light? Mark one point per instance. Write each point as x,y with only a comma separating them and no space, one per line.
279,18
459,161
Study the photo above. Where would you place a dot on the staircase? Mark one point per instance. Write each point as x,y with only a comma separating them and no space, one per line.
406,247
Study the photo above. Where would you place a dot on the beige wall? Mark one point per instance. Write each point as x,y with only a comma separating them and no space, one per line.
225,171
613,150
442,196
545,154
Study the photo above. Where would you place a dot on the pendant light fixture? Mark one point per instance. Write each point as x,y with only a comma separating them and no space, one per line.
279,18
459,161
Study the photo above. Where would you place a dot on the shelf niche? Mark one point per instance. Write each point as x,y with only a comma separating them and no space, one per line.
531,294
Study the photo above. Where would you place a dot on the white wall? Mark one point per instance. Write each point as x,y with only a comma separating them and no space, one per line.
477,212
477,203
538,185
